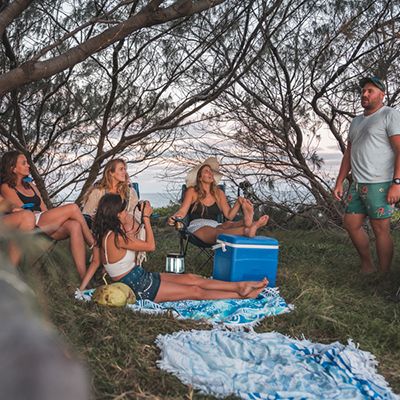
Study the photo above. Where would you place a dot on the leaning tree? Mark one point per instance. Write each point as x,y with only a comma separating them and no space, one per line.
85,81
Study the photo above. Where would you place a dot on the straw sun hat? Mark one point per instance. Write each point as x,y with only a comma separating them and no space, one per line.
213,163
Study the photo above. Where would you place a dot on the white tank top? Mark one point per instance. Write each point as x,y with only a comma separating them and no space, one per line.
125,264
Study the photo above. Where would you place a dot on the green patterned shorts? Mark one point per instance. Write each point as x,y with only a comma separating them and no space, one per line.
369,199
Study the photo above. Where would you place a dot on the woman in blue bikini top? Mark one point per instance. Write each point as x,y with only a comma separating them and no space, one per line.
59,223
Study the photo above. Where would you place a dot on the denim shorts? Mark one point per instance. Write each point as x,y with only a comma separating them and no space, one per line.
369,199
144,284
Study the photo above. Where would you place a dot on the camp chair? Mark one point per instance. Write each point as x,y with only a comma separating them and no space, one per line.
185,237
135,187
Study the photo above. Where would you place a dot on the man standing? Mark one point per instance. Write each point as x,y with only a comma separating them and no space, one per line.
373,156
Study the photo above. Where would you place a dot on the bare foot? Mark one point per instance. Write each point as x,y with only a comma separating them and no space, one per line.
367,268
248,213
251,232
246,288
254,293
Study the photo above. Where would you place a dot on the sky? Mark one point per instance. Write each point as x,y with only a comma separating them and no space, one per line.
150,180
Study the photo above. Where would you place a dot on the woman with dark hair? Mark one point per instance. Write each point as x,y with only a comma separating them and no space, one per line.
204,201
116,248
59,223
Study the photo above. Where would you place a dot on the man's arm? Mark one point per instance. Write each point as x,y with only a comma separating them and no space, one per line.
344,170
393,195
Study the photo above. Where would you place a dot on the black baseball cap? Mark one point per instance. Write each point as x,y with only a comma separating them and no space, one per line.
375,81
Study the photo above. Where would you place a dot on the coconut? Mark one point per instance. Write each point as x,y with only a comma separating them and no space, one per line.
129,293
109,295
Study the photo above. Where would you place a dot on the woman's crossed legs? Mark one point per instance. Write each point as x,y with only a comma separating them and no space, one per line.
51,220
68,222
209,234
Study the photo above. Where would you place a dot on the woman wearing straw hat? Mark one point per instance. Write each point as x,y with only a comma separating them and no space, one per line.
204,201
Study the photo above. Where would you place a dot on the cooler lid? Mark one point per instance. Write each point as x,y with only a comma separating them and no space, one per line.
257,240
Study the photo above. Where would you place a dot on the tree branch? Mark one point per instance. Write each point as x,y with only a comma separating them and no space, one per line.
11,12
32,71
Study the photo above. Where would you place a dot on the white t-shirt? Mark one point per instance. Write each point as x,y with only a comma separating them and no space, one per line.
372,156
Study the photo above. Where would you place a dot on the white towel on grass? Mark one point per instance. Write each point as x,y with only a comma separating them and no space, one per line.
271,366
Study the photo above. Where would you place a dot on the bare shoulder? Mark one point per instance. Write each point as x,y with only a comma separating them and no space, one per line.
220,192
125,243
34,188
5,189
109,240
191,192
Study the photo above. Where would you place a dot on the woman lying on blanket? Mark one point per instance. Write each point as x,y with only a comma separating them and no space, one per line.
116,180
15,218
204,201
59,223
116,249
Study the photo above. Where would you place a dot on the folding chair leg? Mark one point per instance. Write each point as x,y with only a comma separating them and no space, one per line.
183,245
209,256
205,263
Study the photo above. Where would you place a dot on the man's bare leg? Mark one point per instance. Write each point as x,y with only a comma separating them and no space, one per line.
384,243
353,223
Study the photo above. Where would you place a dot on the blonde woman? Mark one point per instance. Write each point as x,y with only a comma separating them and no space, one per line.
115,180
204,201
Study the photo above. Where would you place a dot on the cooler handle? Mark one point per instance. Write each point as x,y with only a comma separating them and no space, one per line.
219,245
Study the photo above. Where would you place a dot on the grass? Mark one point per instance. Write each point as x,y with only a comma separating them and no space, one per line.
318,272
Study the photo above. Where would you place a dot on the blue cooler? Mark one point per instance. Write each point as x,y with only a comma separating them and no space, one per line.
240,258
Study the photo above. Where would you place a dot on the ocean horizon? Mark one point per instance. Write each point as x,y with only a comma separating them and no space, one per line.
158,200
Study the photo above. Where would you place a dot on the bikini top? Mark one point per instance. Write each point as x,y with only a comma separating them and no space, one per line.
125,264
200,211
34,200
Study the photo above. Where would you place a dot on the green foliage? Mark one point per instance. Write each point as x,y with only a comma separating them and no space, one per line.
167,211
396,216
317,272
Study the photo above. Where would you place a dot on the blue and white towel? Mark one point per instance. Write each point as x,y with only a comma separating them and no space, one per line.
271,366
232,313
